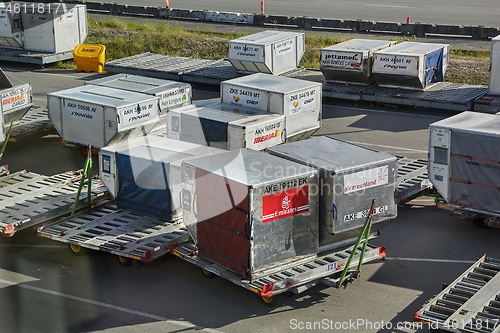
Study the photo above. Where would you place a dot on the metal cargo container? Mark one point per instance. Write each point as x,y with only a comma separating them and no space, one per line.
226,126
144,174
410,65
351,61
11,32
250,211
171,94
464,160
494,82
59,27
270,51
16,100
350,176
299,100
98,116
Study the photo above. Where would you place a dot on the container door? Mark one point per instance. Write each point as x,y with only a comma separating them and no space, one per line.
434,67
439,160
107,172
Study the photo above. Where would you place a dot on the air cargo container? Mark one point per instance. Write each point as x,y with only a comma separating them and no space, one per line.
16,100
171,94
298,100
270,51
350,176
351,61
226,126
410,65
99,116
250,211
494,81
143,174
59,27
11,32
464,165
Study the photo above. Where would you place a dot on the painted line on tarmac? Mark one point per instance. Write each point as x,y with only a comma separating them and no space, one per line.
389,6
181,323
390,147
448,261
35,246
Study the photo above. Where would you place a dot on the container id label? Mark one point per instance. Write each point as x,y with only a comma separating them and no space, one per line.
284,47
246,52
284,204
364,213
15,98
81,111
174,98
138,114
340,59
242,97
396,63
303,101
266,135
365,179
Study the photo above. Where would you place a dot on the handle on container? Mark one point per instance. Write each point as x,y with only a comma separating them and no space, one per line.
334,212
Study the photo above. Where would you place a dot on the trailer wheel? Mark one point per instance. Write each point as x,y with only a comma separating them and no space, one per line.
124,261
76,250
270,301
479,222
207,274
8,239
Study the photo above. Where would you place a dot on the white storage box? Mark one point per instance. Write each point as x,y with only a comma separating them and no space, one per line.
494,82
11,32
273,52
299,101
351,61
98,116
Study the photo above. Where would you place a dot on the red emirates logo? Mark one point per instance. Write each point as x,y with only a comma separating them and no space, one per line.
284,204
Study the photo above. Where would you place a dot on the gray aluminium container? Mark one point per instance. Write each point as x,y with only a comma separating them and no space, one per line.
98,116
464,160
261,206
155,162
494,83
58,28
171,94
350,176
351,61
226,126
410,65
270,51
299,100
15,100
11,32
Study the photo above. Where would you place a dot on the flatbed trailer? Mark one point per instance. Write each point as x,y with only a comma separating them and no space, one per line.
129,235
471,303
478,217
412,178
34,122
295,277
28,199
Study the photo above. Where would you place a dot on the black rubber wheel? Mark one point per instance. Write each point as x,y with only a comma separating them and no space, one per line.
479,222
207,274
124,261
8,239
269,301
76,250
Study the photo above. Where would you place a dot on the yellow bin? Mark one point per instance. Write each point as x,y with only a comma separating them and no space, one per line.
89,57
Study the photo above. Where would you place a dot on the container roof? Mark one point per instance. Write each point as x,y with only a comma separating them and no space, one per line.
138,83
273,83
359,45
472,122
412,48
267,37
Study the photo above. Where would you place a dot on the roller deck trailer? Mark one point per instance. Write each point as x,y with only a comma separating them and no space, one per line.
412,178
469,304
125,233
33,123
29,199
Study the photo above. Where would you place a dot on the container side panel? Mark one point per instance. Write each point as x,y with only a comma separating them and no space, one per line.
434,67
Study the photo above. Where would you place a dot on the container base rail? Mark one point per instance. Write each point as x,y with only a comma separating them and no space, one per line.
29,199
129,235
412,178
478,217
471,303
325,269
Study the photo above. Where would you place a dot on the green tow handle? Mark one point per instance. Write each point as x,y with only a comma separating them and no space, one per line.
85,180
346,275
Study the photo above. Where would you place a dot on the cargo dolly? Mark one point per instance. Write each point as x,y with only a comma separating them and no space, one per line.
336,268
412,178
471,303
125,233
33,123
29,199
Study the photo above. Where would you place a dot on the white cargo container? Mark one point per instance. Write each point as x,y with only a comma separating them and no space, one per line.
57,28
464,160
410,65
171,94
143,174
299,101
270,51
494,83
351,61
98,116
11,32
350,176
15,100
226,126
